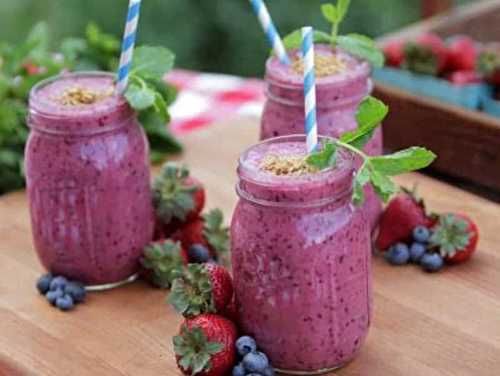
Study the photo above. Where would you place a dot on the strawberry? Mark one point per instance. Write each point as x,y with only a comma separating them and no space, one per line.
426,55
31,68
489,63
403,213
202,288
176,195
464,77
206,346
462,54
207,230
394,53
162,262
456,237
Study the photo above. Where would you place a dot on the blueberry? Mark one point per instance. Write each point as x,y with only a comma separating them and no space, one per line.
58,283
239,370
398,254
198,254
53,295
421,234
76,290
43,283
245,345
417,250
255,362
65,302
432,262
269,371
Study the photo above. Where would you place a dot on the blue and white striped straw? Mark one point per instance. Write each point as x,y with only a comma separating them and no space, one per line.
264,17
311,125
128,45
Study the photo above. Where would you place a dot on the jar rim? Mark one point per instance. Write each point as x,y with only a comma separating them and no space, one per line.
46,116
293,184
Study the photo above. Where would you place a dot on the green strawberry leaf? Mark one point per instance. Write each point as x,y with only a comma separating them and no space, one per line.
412,159
362,47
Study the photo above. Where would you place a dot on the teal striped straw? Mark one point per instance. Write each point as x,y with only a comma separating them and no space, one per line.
128,45
264,17
311,125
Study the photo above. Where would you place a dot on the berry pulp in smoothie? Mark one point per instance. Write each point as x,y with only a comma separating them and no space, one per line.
301,258
87,167
342,83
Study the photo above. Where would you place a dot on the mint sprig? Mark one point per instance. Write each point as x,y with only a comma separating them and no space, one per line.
357,45
377,170
150,96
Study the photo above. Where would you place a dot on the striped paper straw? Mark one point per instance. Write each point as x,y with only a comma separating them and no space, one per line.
311,125
262,13
128,45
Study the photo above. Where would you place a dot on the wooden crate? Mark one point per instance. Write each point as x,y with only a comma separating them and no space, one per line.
467,142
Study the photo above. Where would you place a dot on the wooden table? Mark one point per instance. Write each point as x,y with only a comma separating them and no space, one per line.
441,324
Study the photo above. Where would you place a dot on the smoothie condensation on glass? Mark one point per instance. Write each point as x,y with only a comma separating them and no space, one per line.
341,84
87,169
301,259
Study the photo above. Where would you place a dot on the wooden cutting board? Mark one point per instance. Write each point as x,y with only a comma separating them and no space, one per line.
442,324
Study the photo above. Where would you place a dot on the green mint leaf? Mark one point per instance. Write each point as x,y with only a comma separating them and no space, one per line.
140,97
370,114
342,9
362,178
293,40
167,91
72,48
324,158
160,139
152,62
412,159
39,39
362,47
330,13
384,187
101,41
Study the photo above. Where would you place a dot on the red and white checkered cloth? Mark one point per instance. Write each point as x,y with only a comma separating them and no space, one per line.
205,99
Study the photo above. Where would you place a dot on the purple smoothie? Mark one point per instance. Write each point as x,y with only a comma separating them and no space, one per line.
338,97
87,169
301,261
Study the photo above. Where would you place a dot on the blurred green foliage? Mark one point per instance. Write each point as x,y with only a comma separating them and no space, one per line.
206,35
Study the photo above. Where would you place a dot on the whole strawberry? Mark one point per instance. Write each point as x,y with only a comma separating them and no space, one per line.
426,55
205,346
394,53
162,262
489,63
468,77
177,195
403,213
202,288
208,230
455,236
462,54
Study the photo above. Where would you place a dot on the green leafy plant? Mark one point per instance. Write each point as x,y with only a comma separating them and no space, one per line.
377,170
356,44
25,64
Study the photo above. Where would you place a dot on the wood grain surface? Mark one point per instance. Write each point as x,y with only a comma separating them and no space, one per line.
446,324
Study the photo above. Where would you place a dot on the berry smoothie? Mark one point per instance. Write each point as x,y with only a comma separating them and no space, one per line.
87,169
341,84
301,258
